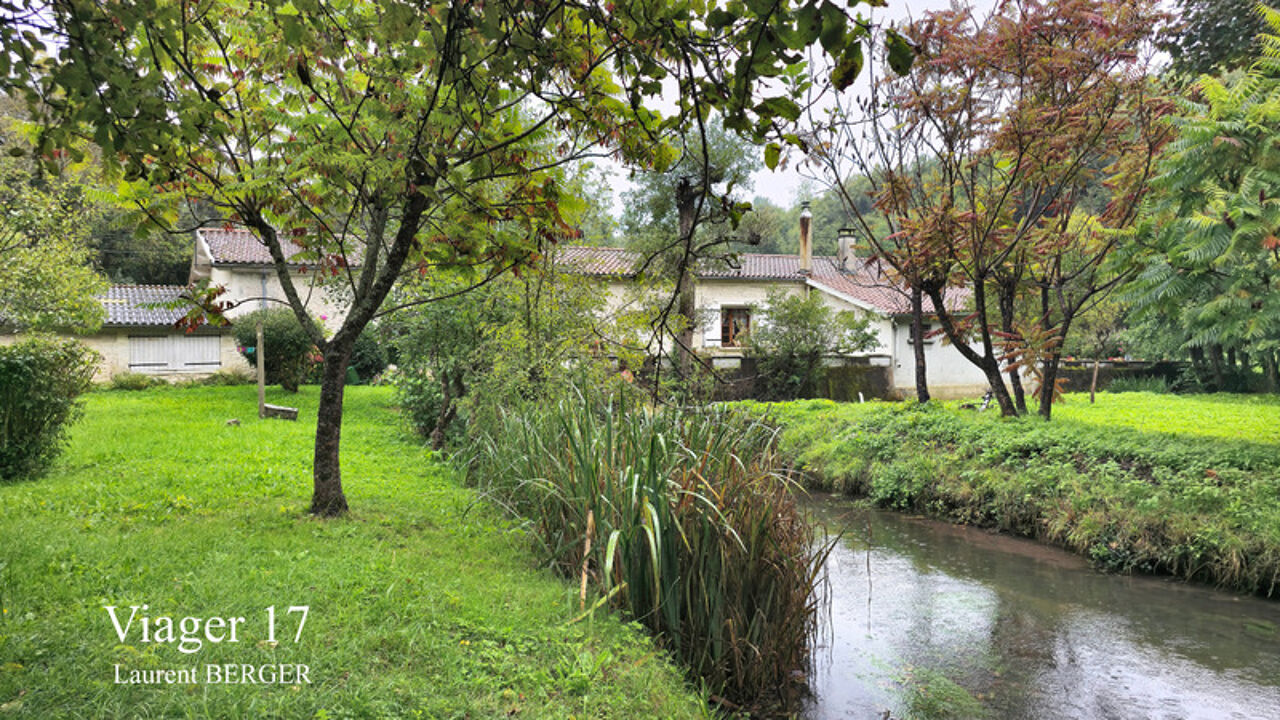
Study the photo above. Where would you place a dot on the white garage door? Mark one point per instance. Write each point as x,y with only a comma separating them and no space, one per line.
174,353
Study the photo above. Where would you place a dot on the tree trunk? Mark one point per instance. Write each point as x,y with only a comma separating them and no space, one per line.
1270,369
448,408
986,361
688,318
686,205
1198,364
327,499
1093,383
1007,309
1217,363
1050,384
917,335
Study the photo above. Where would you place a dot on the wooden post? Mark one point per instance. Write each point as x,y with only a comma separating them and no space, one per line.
262,374
1093,384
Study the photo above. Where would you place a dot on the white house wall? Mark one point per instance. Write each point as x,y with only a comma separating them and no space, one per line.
713,295
112,344
248,282
949,374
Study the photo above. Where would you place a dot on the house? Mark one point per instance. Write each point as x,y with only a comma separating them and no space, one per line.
238,261
729,294
136,337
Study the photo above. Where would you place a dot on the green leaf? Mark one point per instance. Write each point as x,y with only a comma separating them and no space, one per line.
901,54
809,24
782,107
834,24
772,153
719,18
846,71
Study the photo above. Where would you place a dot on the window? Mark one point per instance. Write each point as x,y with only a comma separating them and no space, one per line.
735,323
174,353
925,329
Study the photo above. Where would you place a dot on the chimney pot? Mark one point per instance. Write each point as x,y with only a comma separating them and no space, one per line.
844,248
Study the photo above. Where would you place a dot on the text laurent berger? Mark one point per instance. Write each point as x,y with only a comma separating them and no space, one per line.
227,674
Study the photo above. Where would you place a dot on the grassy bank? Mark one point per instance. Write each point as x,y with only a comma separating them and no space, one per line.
423,603
1136,483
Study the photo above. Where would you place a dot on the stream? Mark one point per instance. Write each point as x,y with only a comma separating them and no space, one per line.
929,616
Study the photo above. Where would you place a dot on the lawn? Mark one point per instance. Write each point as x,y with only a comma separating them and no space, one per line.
1253,418
423,602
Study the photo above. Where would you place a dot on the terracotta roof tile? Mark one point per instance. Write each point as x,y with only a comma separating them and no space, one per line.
241,247
598,261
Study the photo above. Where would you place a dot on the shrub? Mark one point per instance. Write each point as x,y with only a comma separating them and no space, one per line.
133,381
681,522
1133,383
368,356
289,350
801,331
40,381
227,377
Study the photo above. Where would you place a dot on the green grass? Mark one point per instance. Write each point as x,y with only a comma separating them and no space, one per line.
1135,483
423,602
1252,418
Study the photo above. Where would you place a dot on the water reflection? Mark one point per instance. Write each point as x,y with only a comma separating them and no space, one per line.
1029,631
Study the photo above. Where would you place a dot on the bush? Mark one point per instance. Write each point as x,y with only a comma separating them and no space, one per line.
133,381
801,331
368,357
226,377
289,350
1133,383
40,380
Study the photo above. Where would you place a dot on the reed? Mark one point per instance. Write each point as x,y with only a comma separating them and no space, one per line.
683,520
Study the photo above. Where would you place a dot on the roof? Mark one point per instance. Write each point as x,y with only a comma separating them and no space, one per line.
598,261
125,305
864,283
241,247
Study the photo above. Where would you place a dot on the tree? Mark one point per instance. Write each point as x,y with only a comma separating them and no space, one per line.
796,334
1016,116
878,166
1211,36
663,211
528,339
1210,261
47,281
385,135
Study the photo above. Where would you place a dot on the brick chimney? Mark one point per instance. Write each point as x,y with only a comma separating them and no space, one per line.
844,249
806,239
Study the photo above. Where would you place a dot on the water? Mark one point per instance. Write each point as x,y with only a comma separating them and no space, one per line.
1027,631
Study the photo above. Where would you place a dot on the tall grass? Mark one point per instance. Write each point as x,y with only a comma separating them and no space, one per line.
679,518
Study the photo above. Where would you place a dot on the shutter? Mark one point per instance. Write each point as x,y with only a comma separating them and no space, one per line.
166,353
711,333
148,354
199,352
